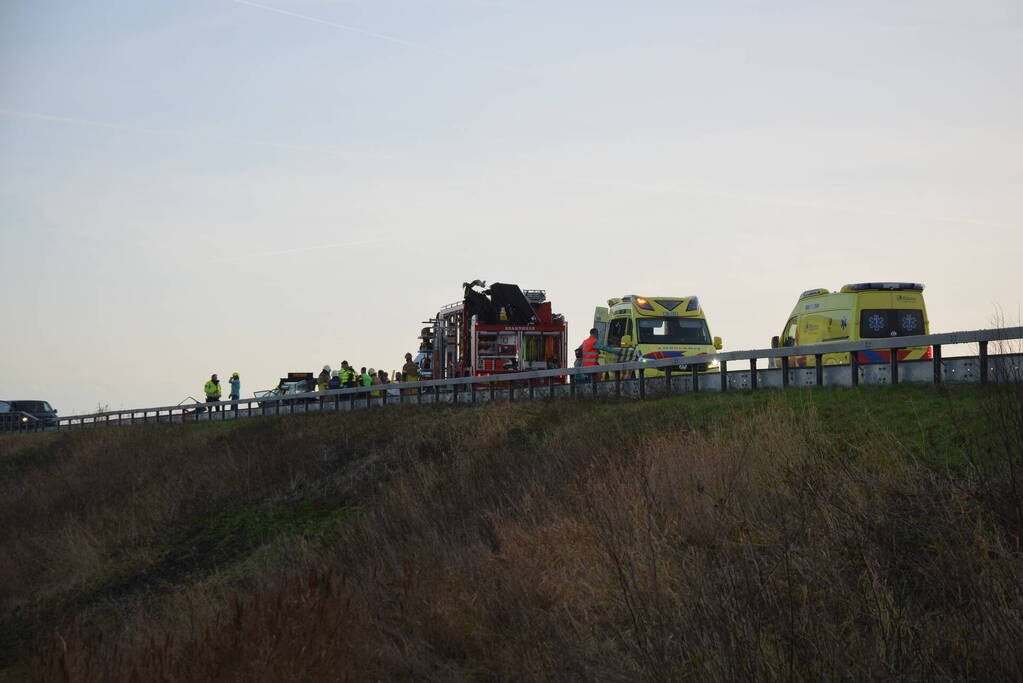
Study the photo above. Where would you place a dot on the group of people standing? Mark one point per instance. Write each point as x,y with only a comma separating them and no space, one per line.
213,393
346,376
343,377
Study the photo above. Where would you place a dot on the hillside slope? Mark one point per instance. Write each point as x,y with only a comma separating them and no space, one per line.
827,533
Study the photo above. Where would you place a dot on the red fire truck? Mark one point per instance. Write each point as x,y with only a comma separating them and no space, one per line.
493,330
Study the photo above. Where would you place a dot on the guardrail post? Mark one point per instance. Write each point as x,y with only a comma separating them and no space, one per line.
493,390
724,375
752,373
369,400
936,362
854,368
784,372
642,383
511,391
983,362
667,381
696,377
593,383
618,384
419,394
818,361
472,393
529,382
893,360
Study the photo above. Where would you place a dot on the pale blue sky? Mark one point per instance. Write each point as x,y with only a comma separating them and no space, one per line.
176,175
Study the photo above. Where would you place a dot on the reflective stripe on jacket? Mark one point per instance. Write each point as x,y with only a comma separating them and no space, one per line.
591,355
212,389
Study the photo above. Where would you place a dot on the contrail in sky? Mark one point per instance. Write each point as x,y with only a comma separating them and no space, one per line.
379,36
296,250
345,27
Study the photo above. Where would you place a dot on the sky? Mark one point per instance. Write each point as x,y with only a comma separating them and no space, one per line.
198,186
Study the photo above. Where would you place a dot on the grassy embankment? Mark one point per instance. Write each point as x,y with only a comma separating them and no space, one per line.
828,533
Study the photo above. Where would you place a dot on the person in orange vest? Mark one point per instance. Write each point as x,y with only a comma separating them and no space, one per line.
589,350
589,353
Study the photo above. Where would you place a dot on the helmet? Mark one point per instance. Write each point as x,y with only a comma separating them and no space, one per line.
335,374
326,368
372,371
234,374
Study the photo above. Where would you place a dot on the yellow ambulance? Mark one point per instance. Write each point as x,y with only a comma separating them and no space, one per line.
654,327
866,310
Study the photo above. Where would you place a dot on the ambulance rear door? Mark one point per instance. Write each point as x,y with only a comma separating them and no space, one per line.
600,320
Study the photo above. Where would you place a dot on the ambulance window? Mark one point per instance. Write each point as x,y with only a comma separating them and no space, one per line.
909,322
880,322
615,331
790,333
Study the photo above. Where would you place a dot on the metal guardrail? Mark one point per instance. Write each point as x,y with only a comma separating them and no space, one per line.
628,379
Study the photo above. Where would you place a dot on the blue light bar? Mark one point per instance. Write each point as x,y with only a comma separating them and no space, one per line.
890,286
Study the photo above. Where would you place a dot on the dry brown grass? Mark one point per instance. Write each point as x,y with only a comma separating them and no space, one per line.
557,543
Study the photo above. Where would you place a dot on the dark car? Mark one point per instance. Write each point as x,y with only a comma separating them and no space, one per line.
39,413
14,420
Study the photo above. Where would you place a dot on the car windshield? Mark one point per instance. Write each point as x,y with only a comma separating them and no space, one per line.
673,331
31,406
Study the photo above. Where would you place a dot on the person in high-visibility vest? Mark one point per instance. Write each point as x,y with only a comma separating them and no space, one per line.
323,379
347,375
409,373
589,353
374,379
212,389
